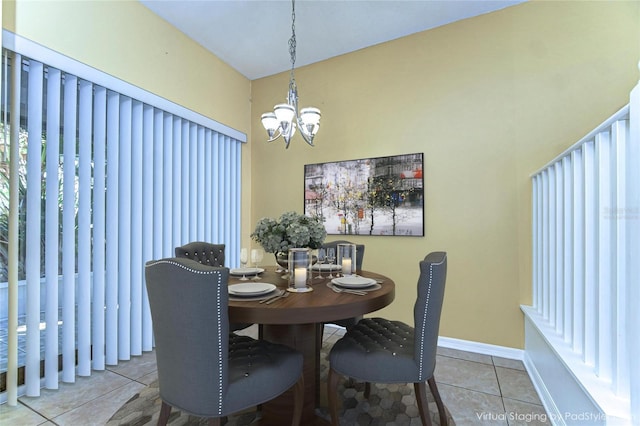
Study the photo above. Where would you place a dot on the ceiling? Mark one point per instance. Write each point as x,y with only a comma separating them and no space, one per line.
252,35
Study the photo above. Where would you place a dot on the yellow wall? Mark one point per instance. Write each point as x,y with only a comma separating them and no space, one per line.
488,101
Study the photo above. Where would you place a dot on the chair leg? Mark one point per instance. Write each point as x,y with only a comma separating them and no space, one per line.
436,395
423,405
332,393
298,400
317,361
367,389
165,410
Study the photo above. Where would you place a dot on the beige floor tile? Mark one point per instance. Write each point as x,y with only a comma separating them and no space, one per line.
467,374
469,356
136,367
149,378
469,407
515,384
251,331
515,364
20,415
99,411
524,414
53,403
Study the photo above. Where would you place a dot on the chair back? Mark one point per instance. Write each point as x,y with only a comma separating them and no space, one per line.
202,252
189,308
426,311
359,250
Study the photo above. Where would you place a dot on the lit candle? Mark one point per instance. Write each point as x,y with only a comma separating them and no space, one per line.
300,277
346,266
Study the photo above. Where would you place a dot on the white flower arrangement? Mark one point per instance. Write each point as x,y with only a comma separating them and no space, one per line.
291,230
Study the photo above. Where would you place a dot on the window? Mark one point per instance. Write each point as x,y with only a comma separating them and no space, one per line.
109,177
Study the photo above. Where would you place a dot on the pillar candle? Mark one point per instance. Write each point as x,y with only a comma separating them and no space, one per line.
346,266
300,277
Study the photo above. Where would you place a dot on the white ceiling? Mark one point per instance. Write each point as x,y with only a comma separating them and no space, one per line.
252,35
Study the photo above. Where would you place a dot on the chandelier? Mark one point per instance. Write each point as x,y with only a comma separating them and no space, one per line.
285,118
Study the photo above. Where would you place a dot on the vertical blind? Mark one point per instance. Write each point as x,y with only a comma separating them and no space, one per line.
111,180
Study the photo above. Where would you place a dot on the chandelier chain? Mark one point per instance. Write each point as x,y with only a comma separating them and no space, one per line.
292,40
286,118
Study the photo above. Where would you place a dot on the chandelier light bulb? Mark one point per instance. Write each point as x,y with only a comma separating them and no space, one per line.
284,113
270,123
310,120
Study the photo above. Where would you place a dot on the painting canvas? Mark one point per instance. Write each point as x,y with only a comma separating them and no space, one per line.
371,196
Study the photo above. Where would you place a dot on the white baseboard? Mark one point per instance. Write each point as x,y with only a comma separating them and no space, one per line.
481,348
555,416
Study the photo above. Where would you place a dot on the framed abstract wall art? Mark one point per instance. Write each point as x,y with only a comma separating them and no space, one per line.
370,196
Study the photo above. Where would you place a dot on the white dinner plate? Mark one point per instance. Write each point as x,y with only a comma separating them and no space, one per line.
251,289
325,267
353,281
245,271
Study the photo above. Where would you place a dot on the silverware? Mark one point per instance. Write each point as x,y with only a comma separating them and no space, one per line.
284,295
344,290
278,294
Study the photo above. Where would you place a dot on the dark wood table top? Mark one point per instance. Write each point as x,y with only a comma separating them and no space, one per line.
318,306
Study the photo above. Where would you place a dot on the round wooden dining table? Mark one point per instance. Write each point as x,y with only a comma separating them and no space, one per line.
297,321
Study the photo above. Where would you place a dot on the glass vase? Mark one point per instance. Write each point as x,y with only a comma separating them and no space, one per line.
347,258
298,265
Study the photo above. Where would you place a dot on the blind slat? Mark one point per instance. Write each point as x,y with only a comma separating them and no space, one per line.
85,115
111,293
99,225
124,232
52,227
32,264
137,264
68,230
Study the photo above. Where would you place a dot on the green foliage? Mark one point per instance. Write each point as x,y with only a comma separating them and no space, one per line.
291,230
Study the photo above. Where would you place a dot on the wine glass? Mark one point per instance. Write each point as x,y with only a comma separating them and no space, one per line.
256,258
331,257
244,258
322,257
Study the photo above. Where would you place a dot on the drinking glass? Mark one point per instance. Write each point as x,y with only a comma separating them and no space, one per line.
322,257
331,257
244,258
256,258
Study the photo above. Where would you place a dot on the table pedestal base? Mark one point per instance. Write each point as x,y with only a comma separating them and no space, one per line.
304,338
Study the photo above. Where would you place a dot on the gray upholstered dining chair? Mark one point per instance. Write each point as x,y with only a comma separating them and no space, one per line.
381,351
210,255
206,253
203,369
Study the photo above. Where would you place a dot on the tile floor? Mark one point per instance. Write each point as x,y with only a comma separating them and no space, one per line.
478,390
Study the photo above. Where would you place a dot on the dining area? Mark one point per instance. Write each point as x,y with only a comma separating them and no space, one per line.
279,372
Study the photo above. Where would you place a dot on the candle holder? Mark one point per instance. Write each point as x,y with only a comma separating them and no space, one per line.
299,274
347,258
